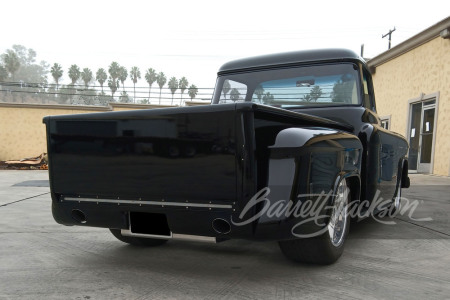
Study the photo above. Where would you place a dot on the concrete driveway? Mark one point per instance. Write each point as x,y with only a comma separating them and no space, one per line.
41,259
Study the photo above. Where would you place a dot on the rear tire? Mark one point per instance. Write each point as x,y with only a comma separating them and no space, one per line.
328,247
135,241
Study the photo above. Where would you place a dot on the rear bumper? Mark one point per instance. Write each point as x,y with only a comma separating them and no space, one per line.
194,219
183,219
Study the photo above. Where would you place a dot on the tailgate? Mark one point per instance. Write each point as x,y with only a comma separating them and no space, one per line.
172,154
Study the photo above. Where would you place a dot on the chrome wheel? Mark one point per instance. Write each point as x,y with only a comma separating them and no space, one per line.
338,219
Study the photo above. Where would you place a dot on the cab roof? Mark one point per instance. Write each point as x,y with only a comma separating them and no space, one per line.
289,58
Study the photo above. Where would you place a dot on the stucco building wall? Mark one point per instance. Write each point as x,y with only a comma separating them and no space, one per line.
422,71
22,133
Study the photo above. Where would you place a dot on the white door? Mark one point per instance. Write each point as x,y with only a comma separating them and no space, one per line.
421,136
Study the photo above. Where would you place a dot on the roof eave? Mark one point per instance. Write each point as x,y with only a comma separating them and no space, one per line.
410,44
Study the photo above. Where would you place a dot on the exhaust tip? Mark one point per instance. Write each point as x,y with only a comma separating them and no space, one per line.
221,226
78,216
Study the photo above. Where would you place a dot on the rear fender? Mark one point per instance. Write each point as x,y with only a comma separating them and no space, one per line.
319,155
303,164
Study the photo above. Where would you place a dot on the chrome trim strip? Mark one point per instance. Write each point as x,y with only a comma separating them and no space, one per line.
198,238
174,236
127,232
140,202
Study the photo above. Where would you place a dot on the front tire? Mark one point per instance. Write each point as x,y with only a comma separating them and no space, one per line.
328,247
135,241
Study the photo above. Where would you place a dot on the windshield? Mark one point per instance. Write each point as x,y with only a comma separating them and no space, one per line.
317,85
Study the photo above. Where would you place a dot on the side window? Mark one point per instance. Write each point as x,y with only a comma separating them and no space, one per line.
368,100
386,122
233,91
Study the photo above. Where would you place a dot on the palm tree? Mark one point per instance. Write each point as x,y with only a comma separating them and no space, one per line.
114,73
101,77
192,91
225,89
135,74
74,73
114,70
234,94
113,85
161,80
12,62
259,91
268,98
123,74
86,76
150,77
183,86
173,86
316,93
57,73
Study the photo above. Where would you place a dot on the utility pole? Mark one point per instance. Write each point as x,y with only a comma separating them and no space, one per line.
389,34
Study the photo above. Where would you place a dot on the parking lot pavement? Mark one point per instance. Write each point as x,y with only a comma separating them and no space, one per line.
42,259
10,191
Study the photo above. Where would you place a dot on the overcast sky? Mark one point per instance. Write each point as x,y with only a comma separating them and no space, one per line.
194,38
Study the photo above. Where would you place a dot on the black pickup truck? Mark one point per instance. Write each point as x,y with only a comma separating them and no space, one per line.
290,150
